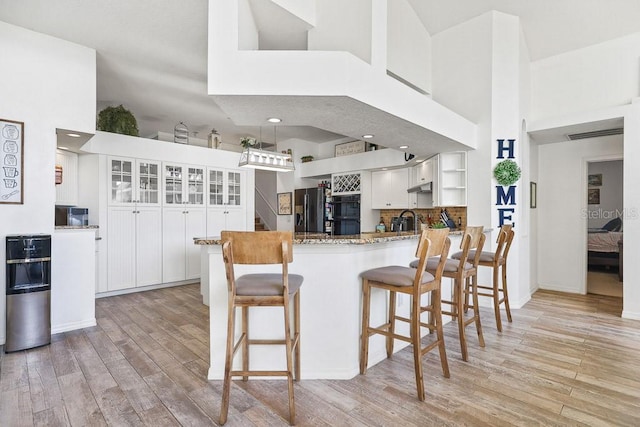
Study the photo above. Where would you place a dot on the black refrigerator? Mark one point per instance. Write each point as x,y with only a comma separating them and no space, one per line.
312,212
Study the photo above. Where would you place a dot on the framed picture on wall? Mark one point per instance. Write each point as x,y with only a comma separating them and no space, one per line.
284,203
11,157
353,147
593,196
595,180
533,195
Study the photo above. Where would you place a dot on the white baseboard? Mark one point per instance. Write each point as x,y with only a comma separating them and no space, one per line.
66,327
145,288
634,315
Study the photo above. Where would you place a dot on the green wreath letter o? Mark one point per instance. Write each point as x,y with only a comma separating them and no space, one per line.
507,172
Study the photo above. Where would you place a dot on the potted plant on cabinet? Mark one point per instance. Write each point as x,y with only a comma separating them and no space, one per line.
117,120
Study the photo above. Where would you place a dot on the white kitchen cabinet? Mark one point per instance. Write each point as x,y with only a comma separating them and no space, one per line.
389,189
424,171
133,181
225,187
225,218
226,201
183,185
134,246
181,257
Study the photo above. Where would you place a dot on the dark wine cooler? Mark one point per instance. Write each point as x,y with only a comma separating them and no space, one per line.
28,292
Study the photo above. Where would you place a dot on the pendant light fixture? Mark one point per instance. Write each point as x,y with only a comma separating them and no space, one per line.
257,158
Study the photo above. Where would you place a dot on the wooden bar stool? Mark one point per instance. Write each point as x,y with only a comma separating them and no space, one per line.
253,290
497,261
463,272
413,282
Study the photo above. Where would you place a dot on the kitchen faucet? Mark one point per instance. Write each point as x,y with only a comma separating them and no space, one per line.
415,220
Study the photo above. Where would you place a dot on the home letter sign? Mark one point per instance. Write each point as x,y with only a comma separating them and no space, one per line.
508,197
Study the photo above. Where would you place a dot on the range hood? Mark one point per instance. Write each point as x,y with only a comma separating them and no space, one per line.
422,188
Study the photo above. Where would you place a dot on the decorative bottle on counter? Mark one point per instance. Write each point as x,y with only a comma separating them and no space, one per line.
381,228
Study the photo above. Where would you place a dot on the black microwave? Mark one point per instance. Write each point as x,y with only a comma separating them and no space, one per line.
71,216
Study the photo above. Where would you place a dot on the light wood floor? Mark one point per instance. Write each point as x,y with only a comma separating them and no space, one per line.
565,360
604,283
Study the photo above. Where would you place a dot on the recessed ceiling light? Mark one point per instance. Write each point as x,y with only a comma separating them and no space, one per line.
73,135
384,169
274,120
404,146
420,161
367,136
62,148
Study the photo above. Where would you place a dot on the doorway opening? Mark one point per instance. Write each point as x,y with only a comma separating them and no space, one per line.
605,223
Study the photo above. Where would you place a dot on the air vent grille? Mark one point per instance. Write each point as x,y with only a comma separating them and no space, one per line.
595,133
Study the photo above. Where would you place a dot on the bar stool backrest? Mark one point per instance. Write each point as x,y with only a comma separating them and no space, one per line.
503,242
256,247
509,238
473,239
437,242
260,247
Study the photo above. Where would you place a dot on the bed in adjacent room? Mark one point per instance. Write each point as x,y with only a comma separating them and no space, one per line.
605,244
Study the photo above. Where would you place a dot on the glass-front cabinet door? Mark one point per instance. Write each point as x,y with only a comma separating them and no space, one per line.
148,182
195,185
234,188
121,180
173,182
216,187
133,181
184,185
225,187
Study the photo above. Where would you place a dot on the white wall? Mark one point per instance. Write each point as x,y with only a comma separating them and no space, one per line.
408,45
594,80
611,203
343,25
47,84
304,9
595,77
527,273
631,294
561,210
247,35
534,225
462,82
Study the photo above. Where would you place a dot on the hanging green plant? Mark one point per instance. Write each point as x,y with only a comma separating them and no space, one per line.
117,120
507,172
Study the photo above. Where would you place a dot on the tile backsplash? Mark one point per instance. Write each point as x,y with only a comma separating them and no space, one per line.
457,213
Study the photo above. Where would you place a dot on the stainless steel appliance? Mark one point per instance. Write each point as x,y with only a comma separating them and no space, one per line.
28,290
346,215
71,216
313,210
404,224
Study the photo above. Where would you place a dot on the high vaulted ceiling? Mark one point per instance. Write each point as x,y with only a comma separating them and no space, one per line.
152,54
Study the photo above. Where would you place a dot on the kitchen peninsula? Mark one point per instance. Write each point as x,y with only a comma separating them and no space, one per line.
330,301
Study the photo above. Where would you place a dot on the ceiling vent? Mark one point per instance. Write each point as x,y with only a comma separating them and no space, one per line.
595,133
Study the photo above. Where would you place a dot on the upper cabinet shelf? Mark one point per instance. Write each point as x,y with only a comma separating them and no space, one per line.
448,174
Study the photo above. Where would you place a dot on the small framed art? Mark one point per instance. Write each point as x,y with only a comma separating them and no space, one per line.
284,203
533,195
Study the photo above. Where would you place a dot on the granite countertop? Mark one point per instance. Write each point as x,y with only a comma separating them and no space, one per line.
76,227
324,239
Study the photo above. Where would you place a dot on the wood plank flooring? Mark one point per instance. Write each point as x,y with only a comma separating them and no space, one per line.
565,360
